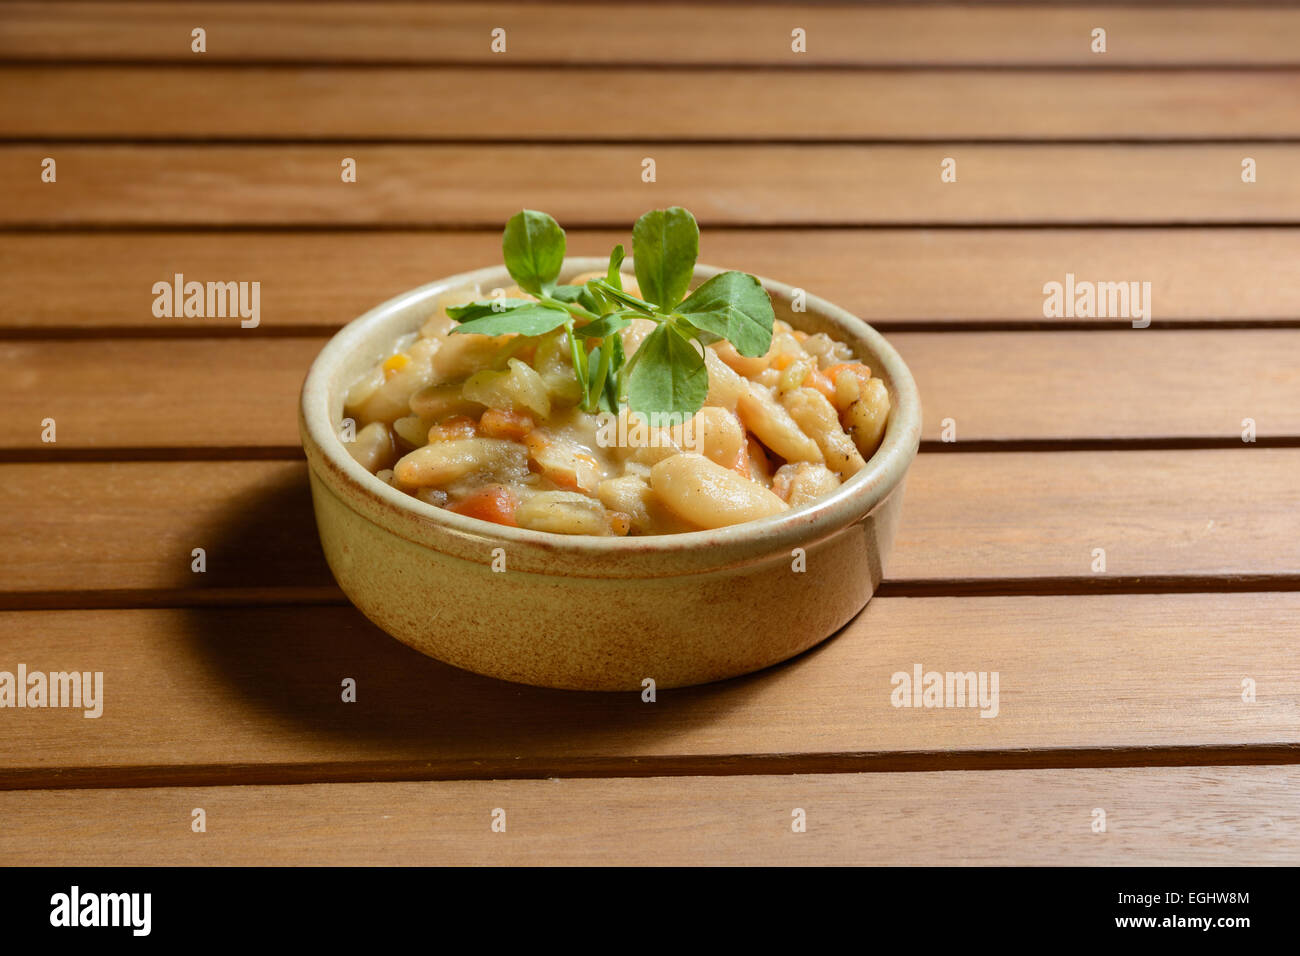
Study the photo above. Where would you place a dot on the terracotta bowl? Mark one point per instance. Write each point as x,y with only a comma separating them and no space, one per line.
594,613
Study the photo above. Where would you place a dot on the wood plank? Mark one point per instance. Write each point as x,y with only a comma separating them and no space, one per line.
242,393
1183,816
1216,512
671,33
321,280
215,393
92,534
462,185
1010,386
218,103
128,528
252,695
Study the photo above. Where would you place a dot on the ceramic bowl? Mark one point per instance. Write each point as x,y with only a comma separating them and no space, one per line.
597,613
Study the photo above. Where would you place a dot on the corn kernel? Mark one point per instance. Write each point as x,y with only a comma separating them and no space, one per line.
395,363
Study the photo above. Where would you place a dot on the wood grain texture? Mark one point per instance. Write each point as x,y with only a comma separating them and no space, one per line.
123,532
1008,386
670,33
892,279
253,695
462,185
132,527
240,393
1217,512
218,103
1163,816
819,169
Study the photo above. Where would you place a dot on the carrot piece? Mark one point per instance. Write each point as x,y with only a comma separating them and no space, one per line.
495,503
819,381
857,368
781,361
499,423
457,426
741,464
620,522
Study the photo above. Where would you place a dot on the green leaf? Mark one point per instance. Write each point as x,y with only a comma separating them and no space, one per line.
615,261
581,295
596,386
604,326
474,310
665,245
533,246
625,298
669,375
593,299
579,359
735,306
609,399
530,319
566,293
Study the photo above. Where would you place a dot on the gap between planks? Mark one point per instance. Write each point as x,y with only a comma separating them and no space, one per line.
522,768
1061,586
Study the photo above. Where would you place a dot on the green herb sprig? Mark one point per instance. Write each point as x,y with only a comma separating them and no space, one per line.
667,373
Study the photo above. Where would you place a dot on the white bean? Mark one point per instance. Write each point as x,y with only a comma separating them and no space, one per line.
803,482
742,364
373,447
363,388
814,413
562,512
445,461
413,430
826,350
708,495
867,415
714,433
725,386
564,461
769,420
629,494
436,402
392,399
460,355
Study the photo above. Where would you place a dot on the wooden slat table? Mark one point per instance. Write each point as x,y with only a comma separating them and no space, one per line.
1164,688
